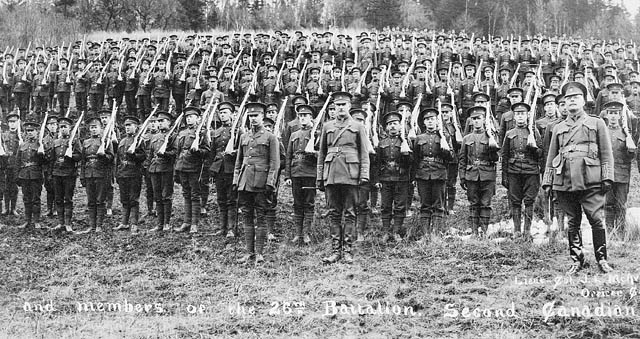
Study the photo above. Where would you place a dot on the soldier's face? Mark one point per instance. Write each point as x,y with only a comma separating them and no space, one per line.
477,122
613,117
268,127
65,129
515,98
342,108
95,129
256,119
550,108
130,128
431,122
31,133
331,111
192,119
635,89
224,115
393,127
574,103
272,114
13,124
446,115
163,123
52,126
616,95
305,119
267,60
504,76
520,117
153,125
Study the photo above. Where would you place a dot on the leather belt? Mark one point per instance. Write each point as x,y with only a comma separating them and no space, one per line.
482,162
340,149
432,159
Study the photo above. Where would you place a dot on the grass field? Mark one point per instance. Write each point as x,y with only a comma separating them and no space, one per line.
184,286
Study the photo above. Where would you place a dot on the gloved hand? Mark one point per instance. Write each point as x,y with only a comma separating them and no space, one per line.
463,184
363,181
606,186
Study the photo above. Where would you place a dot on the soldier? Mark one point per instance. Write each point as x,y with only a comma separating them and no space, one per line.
272,197
189,163
393,178
62,85
300,174
129,175
9,162
148,186
97,85
452,165
161,83
343,165
31,158
97,159
65,172
49,138
162,152
516,95
364,190
550,113
623,154
580,170
22,86
254,177
477,169
521,160
222,171
130,86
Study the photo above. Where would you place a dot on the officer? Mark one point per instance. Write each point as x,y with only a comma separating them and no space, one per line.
254,177
272,197
431,155
343,165
623,154
300,174
65,172
521,160
129,175
31,159
364,190
477,169
162,152
97,159
394,177
222,171
190,157
579,169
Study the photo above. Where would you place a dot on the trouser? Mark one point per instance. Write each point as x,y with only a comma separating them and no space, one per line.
591,201
191,195
63,101
432,210
109,192
303,201
254,205
479,194
81,101
205,178
130,101
40,104
393,205
22,101
523,189
117,100
144,106
616,206
341,200
9,188
96,101
270,211
362,206
373,195
179,99
163,102
226,200
129,198
162,183
452,178
31,190
148,190
63,188
48,186
96,199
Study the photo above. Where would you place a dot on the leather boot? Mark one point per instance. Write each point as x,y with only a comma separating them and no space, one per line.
575,245
60,218
528,216
306,225
600,243
93,215
124,222
271,224
224,223
100,215
261,238
160,218
516,215
36,216
298,221
167,209
335,243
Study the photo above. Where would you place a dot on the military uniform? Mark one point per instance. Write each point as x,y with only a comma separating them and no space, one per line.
343,164
257,164
580,169
64,175
521,171
129,172
80,88
161,173
30,176
9,169
477,172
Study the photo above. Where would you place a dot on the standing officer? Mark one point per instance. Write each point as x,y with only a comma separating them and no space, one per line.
623,154
190,165
300,173
30,161
95,173
161,170
129,175
64,173
343,165
477,169
222,170
580,169
257,164
394,178
521,168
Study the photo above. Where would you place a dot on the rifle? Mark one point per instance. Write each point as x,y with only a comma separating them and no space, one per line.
476,84
195,145
304,68
631,146
106,135
47,70
104,70
444,145
490,129
456,123
375,140
404,146
68,79
165,144
74,132
278,78
311,144
512,83
43,128
137,139
20,140
414,118
362,80
531,139
183,77
342,79
405,81
277,128
3,152
234,125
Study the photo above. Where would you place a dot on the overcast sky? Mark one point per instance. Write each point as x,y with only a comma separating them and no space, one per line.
632,6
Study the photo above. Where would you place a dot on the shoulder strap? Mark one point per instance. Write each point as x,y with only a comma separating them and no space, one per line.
342,130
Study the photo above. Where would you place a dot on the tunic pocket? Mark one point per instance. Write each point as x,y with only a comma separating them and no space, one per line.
592,171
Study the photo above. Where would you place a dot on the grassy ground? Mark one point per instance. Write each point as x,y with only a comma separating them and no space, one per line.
192,287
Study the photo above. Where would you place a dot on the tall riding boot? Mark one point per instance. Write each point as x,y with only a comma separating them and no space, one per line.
575,245
249,233
68,217
306,225
600,244
298,221
362,220
347,247
398,226
271,224
135,215
528,216
167,215
195,212
516,215
336,243
224,222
